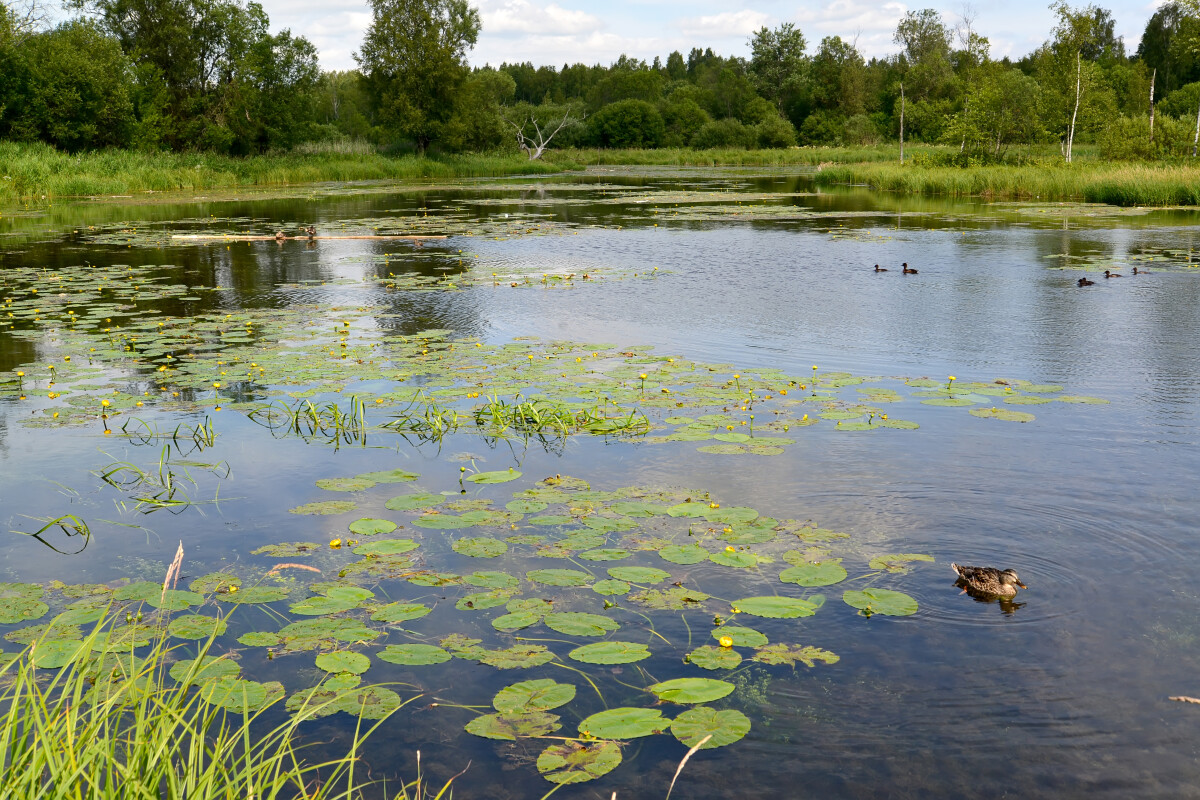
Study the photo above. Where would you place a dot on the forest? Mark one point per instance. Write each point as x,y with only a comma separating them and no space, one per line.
208,75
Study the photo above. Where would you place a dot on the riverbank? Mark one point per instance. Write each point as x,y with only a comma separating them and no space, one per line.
38,172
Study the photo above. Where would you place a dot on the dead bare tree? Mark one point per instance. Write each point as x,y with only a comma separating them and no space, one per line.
532,138
27,17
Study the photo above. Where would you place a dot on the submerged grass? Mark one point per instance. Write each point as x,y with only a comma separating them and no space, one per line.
40,172
118,726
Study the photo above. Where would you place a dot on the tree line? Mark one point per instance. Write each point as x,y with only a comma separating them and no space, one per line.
209,75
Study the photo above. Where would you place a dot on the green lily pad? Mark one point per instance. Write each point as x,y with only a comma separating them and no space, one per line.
208,668
881,601
674,598
639,574
480,547
492,579
516,620
526,506
822,573
481,601
386,547
371,527
343,661
954,402
175,599
610,588
604,554
411,502
725,727
897,562
790,654
777,607
738,559
684,554
498,476
742,637
196,626
442,522
399,612
1003,414
215,583
57,653
1027,400
709,657
288,549
1079,398
577,762
514,725
259,639
517,657
21,609
389,476
414,654
624,723
241,695
324,508
689,509
55,630
735,515
255,595
691,690
610,653
345,484
638,509
578,623
559,577
538,695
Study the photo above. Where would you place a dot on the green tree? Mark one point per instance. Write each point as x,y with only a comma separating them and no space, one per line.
1003,109
414,59
777,62
627,123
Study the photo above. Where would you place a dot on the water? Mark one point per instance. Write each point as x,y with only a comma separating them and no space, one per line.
1066,696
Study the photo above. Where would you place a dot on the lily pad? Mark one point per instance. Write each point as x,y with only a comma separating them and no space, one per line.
559,577
624,723
196,626
610,587
538,695
21,609
288,550
639,574
638,509
399,612
897,562
241,695
255,595
414,654
725,727
689,509
790,654
516,620
389,476
208,668
777,607
386,547
822,573
344,661
411,502
497,476
881,601
1003,414
691,690
481,601
324,508
739,559
345,484
577,623
577,762
514,725
492,579
684,554
517,657
732,515
604,554
610,653
371,527
442,522
742,637
709,657
674,598
57,653
526,506
480,547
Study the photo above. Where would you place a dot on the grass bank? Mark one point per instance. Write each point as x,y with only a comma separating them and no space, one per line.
1122,184
683,157
38,171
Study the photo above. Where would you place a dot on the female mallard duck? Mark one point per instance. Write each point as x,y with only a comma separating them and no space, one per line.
988,580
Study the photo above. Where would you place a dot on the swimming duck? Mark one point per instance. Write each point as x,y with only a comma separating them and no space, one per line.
907,269
1108,274
311,231
280,236
880,269
988,580
1086,282
1142,272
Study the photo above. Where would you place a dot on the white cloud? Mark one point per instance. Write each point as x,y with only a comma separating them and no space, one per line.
869,25
729,23
522,16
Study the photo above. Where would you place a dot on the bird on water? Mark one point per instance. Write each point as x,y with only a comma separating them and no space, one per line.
907,269
880,269
988,580
1085,282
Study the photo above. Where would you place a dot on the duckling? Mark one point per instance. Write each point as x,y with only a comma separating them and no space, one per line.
907,269
311,230
1108,274
1142,272
880,269
1086,282
280,236
988,580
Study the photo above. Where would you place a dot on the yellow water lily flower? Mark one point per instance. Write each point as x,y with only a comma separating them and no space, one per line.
725,641
335,543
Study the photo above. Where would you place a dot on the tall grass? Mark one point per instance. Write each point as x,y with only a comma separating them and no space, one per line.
40,172
118,726
733,157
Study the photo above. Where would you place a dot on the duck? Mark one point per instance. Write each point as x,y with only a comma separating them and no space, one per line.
1086,282
880,269
311,230
907,269
280,236
1108,274
988,580
1136,271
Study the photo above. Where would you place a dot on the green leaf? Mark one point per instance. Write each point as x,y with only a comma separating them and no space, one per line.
399,612
577,623
345,484
324,508
411,502
343,661
516,620
604,554
498,476
726,727
513,726
610,588
370,527
517,657
492,579
738,559
559,577
689,509
896,562
526,506
638,574
414,654
57,653
254,595
480,547
196,626
1002,414
624,723
675,598
577,762
731,516
240,695
389,476
684,554
481,601
538,695
881,601
823,573
208,668
777,607
22,609
691,690
790,654
610,653
742,637
709,657
385,547
637,509
442,522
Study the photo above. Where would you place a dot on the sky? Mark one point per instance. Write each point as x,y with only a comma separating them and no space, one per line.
598,31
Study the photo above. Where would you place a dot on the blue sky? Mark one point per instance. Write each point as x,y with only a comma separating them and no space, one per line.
595,31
